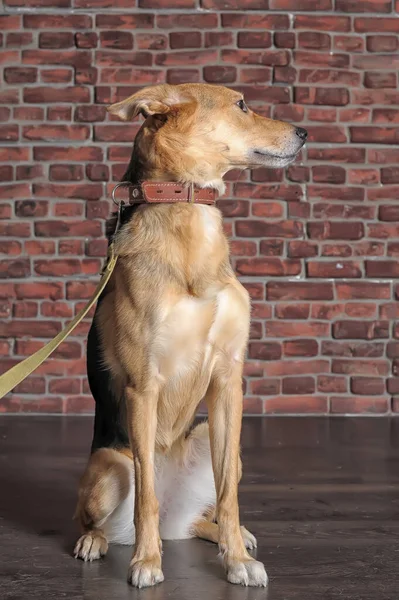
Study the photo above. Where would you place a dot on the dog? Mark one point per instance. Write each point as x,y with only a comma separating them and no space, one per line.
170,330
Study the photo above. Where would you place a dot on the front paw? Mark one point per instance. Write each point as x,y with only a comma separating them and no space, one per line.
145,573
91,546
248,572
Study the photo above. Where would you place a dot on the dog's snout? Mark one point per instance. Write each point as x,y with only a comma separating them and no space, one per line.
301,133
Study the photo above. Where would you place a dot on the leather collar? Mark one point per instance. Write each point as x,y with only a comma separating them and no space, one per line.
163,192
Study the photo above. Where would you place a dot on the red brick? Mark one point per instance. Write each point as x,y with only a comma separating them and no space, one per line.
273,267
375,61
322,23
264,350
291,311
118,40
97,248
382,268
335,230
389,175
284,74
255,290
248,57
58,133
367,386
379,80
368,97
20,75
309,59
302,249
331,384
363,6
393,385
87,153
56,21
284,39
288,112
327,133
363,176
28,113
59,39
66,172
271,247
265,387
301,347
220,74
331,174
86,40
294,405
341,250
393,249
360,367
359,405
352,349
24,310
393,349
382,43
383,230
65,386
59,113
288,229
68,228
73,247
35,247
349,43
314,40
259,39
298,290
371,24
361,330
298,385
296,329
361,310
327,76
338,269
270,210
79,404
341,155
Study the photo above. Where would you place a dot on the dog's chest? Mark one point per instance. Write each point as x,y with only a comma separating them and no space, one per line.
194,331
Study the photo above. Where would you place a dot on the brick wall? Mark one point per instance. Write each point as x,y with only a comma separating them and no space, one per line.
317,245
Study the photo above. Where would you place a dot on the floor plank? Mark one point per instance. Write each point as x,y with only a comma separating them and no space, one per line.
321,495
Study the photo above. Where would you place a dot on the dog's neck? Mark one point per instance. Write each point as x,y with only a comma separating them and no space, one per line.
137,172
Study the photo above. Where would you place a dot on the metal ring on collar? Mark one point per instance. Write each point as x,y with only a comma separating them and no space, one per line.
120,184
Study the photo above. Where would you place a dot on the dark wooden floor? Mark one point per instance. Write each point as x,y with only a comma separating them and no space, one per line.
322,497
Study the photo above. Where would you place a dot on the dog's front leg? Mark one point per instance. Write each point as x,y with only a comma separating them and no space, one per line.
145,566
224,399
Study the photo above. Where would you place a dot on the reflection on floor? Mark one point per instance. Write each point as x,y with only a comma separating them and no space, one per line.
321,495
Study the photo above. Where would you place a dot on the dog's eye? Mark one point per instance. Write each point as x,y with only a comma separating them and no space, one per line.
241,104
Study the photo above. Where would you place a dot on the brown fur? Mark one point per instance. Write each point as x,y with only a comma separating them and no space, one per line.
175,320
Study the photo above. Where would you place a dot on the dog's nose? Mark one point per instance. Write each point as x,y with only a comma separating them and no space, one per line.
301,133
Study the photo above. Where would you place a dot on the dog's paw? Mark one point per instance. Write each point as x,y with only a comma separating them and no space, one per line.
91,546
249,540
144,573
248,573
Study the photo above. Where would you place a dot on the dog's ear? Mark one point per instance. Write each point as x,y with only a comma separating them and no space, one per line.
156,100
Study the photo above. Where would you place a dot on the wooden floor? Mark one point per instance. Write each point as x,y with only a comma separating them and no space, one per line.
321,495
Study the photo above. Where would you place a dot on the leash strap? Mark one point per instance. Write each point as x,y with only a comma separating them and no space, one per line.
19,372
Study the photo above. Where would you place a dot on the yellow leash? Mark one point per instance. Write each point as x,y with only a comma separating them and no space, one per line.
19,372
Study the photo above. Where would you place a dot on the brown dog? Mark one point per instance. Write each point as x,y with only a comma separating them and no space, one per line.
172,329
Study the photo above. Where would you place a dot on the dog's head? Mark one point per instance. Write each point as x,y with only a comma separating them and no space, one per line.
195,133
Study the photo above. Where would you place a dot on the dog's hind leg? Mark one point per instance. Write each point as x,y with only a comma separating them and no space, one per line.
206,530
103,486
